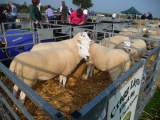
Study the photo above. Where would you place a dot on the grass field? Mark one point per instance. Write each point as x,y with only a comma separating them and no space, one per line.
152,110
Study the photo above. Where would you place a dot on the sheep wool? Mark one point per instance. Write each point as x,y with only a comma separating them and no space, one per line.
115,61
153,35
44,65
137,48
113,41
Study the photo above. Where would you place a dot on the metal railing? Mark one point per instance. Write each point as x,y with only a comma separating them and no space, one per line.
48,109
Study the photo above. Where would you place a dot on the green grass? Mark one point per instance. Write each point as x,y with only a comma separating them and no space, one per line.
152,110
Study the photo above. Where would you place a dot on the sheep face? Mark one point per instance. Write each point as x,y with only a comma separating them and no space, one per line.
84,38
125,45
83,51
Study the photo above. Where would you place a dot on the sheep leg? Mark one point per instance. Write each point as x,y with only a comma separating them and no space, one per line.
64,80
114,74
92,68
60,80
22,97
88,71
15,90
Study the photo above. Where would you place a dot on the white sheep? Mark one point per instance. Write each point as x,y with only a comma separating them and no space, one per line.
115,61
113,41
136,48
81,37
47,64
155,35
134,31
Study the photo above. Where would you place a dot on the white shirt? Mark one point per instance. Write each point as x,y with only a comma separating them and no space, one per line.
39,6
114,15
85,11
61,9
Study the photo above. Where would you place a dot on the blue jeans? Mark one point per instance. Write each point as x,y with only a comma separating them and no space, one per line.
13,19
51,18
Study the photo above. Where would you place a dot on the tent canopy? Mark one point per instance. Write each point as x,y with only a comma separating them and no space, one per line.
131,10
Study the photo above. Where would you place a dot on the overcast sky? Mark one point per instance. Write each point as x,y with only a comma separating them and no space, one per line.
108,6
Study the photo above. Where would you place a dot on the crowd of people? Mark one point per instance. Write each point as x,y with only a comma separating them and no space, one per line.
143,17
8,14
77,17
149,17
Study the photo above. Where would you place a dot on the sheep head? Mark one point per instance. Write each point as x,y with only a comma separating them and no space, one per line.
125,45
82,38
83,51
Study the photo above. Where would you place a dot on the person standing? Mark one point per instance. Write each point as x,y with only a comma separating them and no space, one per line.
8,13
13,14
2,15
50,14
150,17
64,12
70,11
143,17
85,11
77,17
114,15
35,14
91,13
39,6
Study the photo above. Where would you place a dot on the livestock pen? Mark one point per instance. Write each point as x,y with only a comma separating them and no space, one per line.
96,99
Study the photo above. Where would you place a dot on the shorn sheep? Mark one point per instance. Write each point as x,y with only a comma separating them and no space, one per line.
134,31
113,41
155,35
136,48
81,37
47,64
115,61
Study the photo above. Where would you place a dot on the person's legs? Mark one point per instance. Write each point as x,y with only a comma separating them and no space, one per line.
62,18
51,18
13,19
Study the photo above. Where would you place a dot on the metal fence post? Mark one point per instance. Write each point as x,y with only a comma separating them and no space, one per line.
3,29
34,33
143,59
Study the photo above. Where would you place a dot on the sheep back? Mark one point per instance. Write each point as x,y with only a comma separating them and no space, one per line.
113,41
29,66
115,61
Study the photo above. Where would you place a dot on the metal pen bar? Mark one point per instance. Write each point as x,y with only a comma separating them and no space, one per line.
19,105
40,102
9,107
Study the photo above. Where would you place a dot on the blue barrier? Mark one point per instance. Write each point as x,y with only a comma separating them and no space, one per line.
17,40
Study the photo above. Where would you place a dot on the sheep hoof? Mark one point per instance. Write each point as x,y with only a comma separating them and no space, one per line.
22,102
60,84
